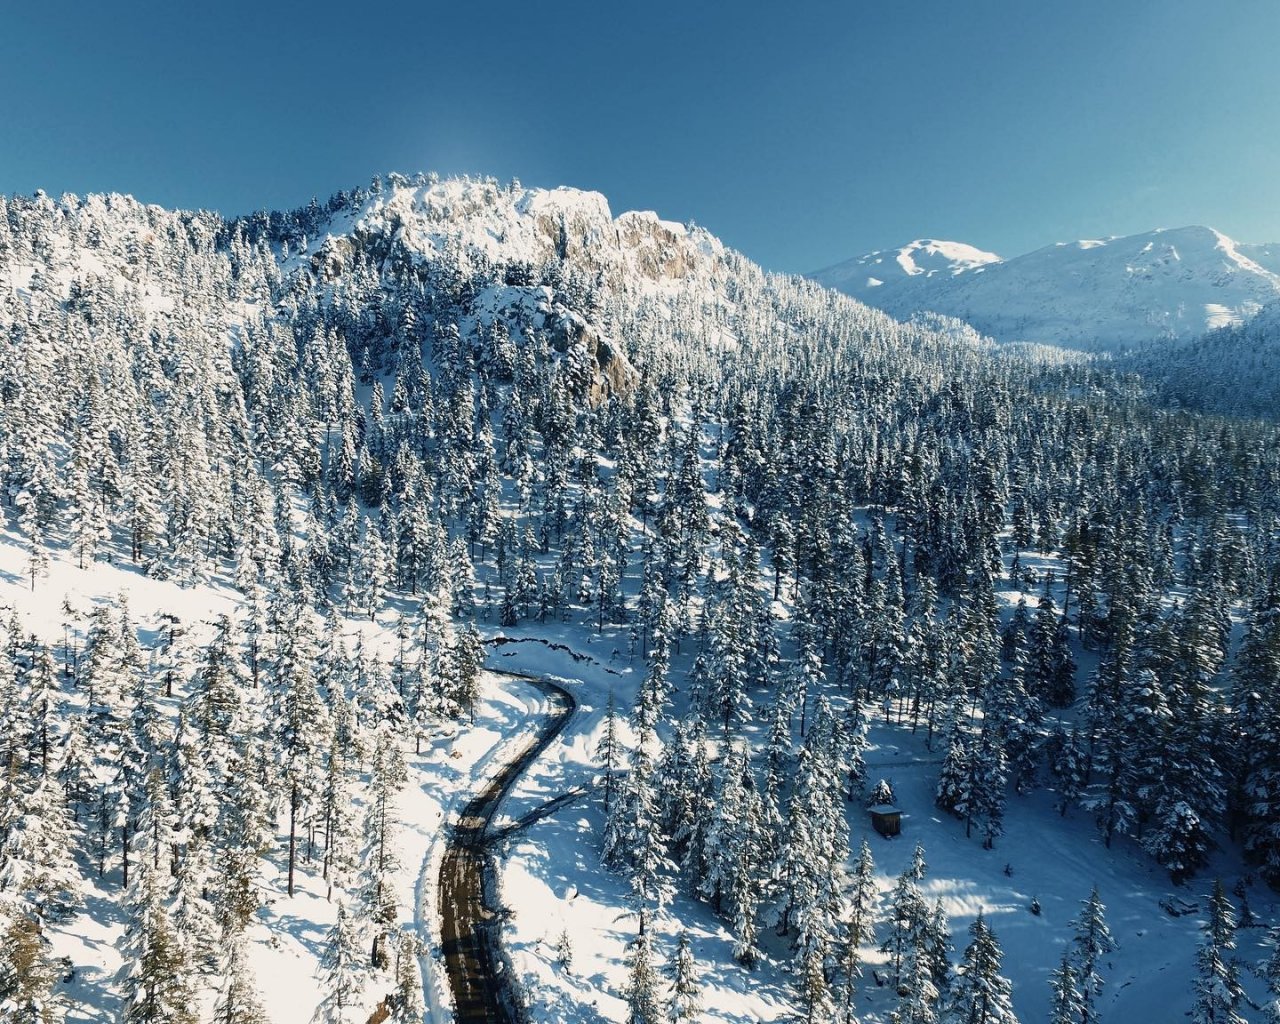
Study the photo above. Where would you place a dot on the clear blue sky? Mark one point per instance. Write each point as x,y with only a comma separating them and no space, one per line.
801,133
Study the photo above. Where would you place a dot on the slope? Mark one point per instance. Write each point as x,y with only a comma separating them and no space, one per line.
1094,294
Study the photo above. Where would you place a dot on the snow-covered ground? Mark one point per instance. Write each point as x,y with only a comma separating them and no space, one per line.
553,884
289,933
550,876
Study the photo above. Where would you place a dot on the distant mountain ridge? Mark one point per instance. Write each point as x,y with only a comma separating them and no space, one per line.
1113,293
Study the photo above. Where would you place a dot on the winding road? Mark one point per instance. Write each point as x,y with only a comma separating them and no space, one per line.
469,927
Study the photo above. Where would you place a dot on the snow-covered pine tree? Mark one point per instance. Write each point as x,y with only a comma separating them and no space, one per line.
1270,975
28,974
980,993
988,774
380,862
1092,941
954,792
1219,994
156,977
644,1003
237,1001
1066,1005
300,722
859,928
1256,701
37,847
908,918
343,973
408,1005
609,753
684,1001
1069,765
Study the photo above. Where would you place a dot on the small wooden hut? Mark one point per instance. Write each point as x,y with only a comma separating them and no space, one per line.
885,819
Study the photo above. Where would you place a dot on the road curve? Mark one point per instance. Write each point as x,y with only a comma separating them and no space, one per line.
469,928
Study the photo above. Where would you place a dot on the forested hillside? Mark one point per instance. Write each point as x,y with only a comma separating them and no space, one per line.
370,434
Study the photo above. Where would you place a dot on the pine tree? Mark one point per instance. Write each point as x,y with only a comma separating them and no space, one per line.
44,703
608,752
918,992
28,974
1093,941
859,929
1270,974
1052,669
809,875
1256,700
881,794
1069,764
938,946
377,892
980,994
339,820
238,1001
195,815
743,891
1217,986
988,772
37,843
469,658
644,1006
655,691
564,950
343,973
408,1006
31,521
954,792
683,1003
301,724
908,919
1066,1006
156,977
637,843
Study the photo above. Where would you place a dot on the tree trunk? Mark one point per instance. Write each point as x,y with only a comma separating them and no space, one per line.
293,832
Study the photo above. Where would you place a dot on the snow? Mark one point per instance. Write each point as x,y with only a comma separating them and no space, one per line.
552,883
925,257
550,876
512,223
288,936
1094,293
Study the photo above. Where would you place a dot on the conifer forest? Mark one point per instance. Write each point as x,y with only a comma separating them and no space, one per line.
454,542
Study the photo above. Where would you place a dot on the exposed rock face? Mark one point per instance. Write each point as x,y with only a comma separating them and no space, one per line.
583,344
615,368
661,249
470,222
332,259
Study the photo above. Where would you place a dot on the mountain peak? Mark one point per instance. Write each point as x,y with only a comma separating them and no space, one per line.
1112,292
923,257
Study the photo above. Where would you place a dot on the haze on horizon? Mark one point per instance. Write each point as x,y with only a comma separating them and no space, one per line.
801,139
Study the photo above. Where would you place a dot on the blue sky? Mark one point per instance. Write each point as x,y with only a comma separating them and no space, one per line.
800,133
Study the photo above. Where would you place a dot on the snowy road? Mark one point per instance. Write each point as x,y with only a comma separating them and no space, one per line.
469,926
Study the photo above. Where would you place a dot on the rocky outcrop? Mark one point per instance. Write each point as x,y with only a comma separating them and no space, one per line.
659,249
580,342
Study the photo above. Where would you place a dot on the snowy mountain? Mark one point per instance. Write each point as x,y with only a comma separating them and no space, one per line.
878,278
1265,254
1109,293
1233,370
